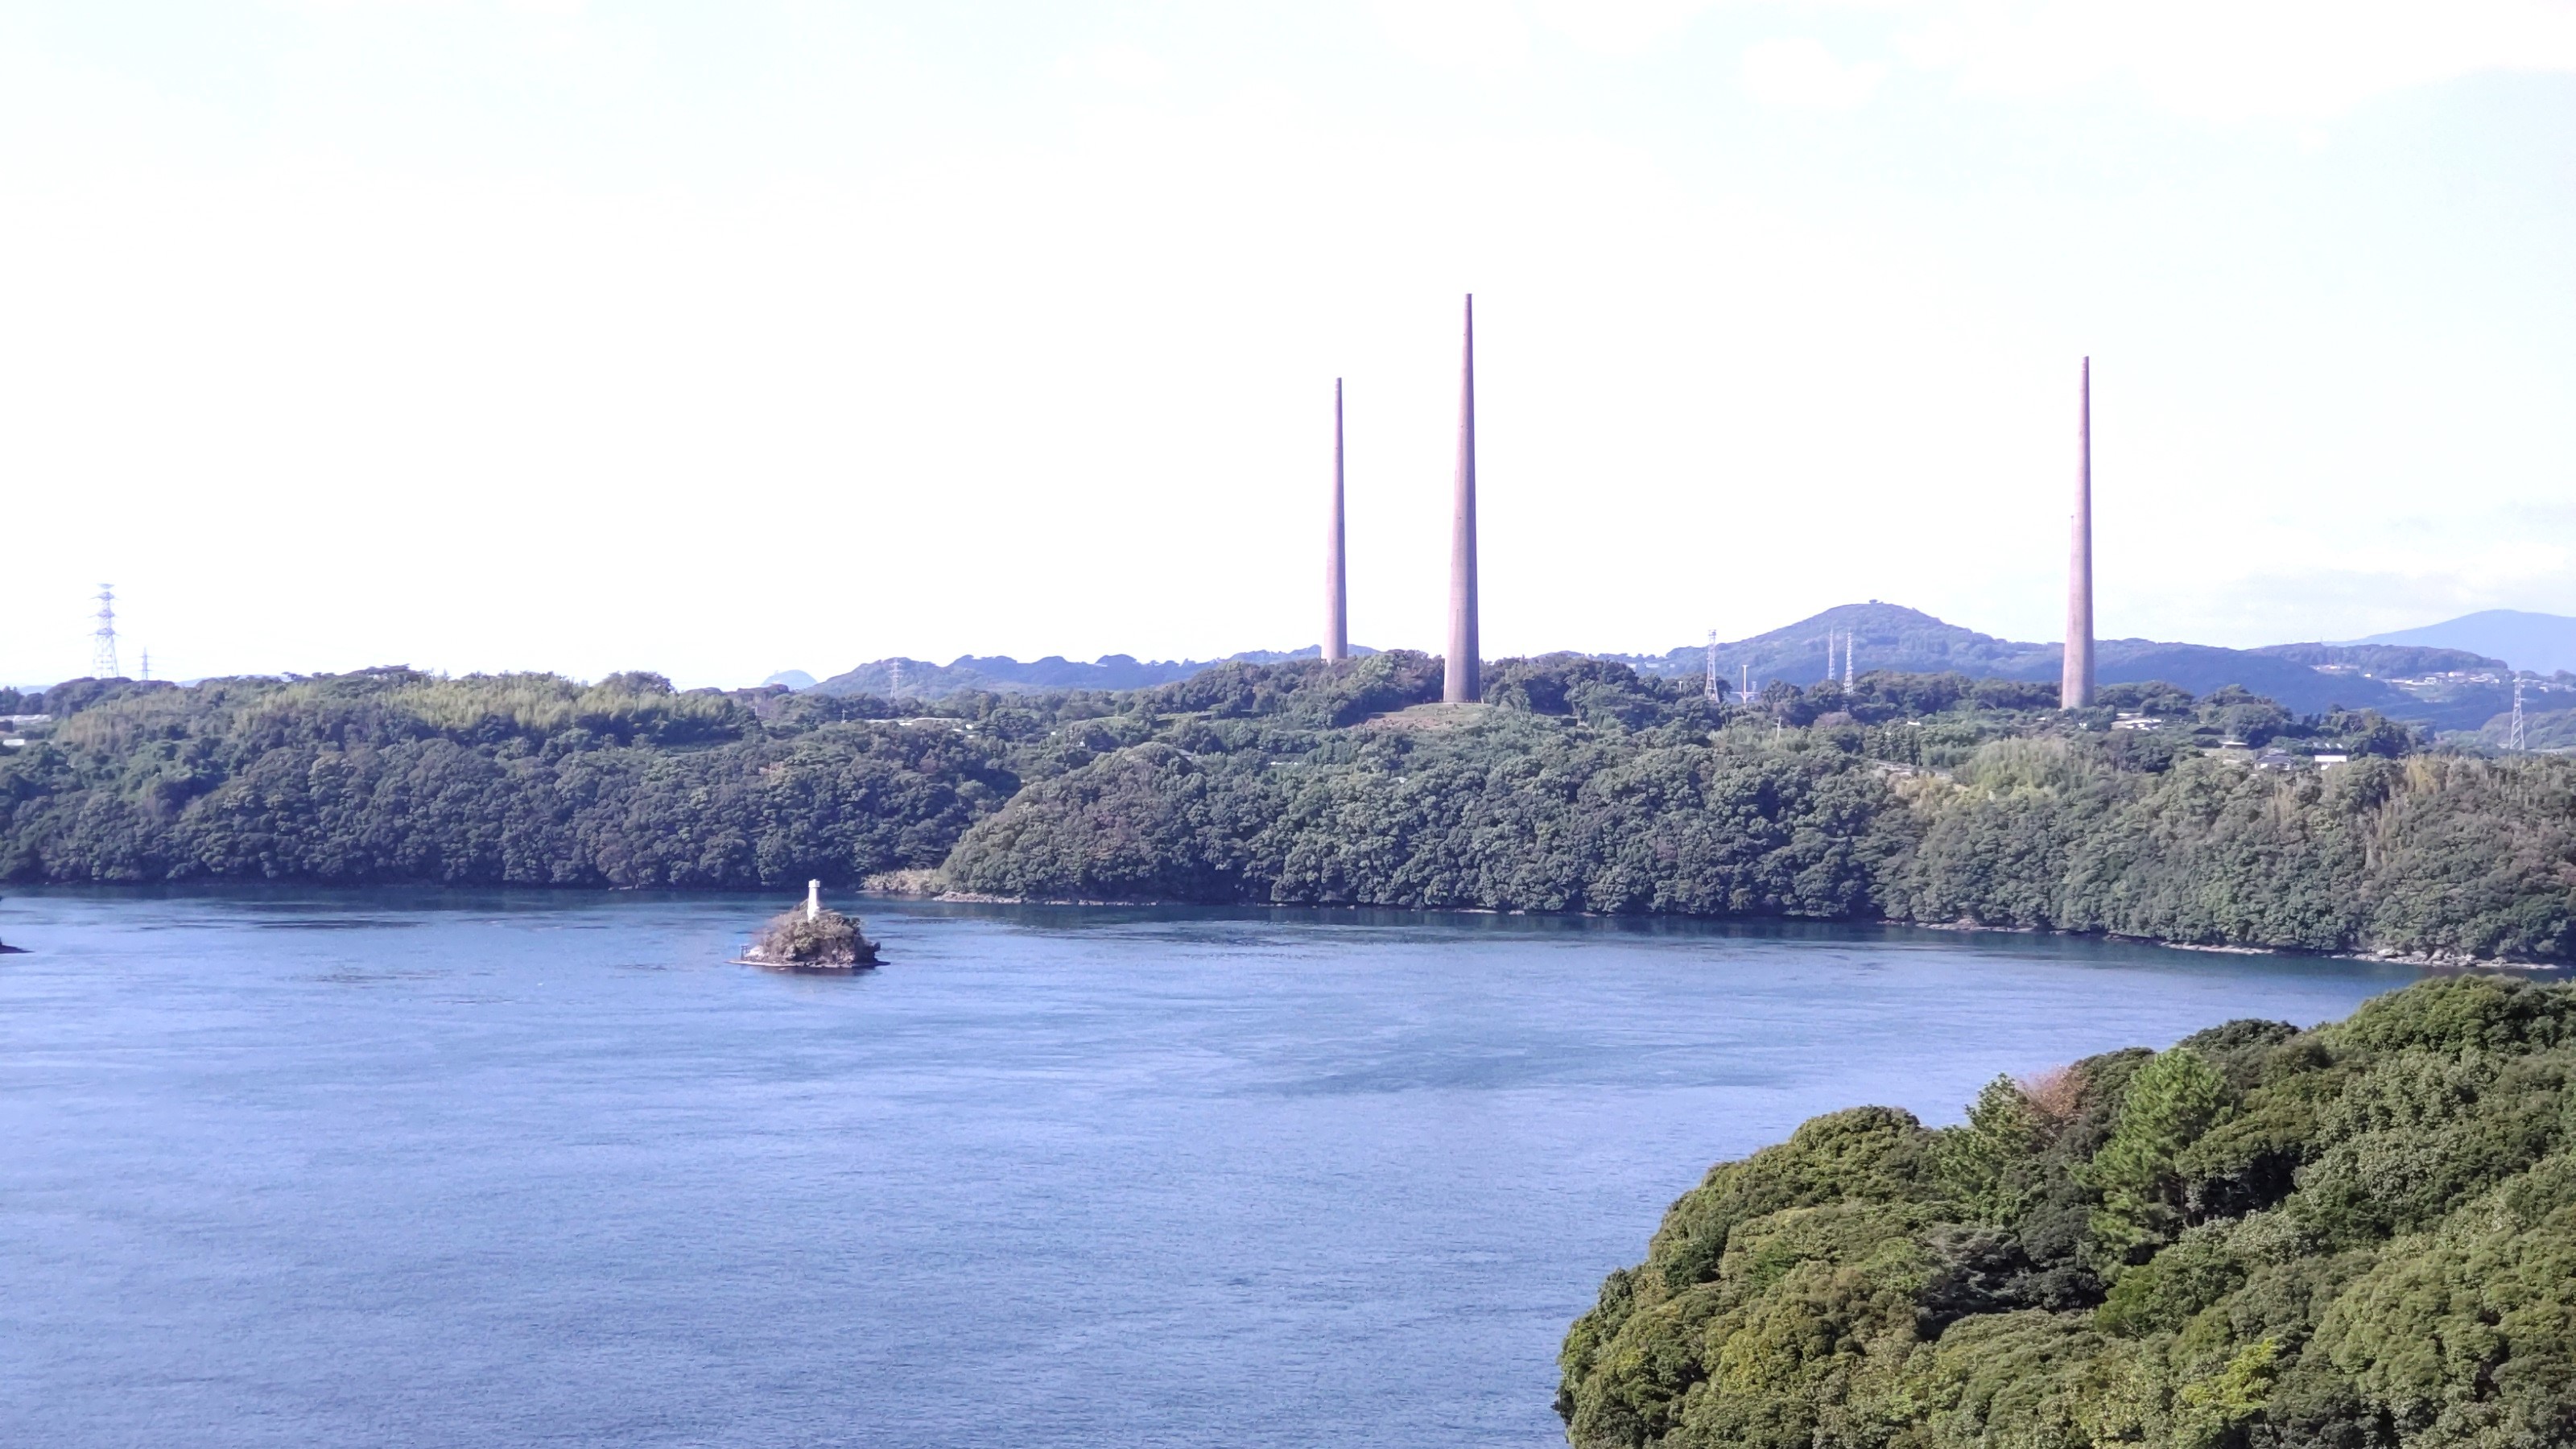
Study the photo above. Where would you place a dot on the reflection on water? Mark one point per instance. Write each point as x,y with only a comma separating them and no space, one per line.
540,1168
332,923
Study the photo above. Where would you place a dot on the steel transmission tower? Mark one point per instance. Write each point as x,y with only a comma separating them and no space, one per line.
102,649
1847,664
1712,666
2513,737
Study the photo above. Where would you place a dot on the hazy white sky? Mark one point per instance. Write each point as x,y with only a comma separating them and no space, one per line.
719,339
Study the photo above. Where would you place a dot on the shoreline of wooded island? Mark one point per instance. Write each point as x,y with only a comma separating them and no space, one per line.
1578,786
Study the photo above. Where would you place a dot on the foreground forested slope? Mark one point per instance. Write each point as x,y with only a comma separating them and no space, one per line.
2358,1236
1578,786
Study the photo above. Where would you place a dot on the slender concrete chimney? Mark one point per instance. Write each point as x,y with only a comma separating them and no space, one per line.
1337,601
1464,682
2075,691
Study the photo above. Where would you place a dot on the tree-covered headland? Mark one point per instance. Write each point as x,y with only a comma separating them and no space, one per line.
1578,786
396,776
2357,1237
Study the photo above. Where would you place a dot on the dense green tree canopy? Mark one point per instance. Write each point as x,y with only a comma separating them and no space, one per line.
2358,1236
1580,785
391,775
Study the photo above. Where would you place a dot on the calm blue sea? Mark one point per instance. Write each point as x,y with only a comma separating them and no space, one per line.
314,1168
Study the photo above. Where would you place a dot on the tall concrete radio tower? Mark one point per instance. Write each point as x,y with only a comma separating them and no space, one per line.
2075,688
1464,681
1337,599
102,649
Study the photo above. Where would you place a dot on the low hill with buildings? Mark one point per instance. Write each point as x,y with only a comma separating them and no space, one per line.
2452,689
2387,661
2299,688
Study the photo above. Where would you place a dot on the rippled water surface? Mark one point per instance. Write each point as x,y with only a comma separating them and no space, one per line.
418,1169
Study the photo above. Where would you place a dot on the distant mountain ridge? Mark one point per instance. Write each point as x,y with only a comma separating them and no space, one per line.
2308,678
2541,643
902,678
1887,636
1891,636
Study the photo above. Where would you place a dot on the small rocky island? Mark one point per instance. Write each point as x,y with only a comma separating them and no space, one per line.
812,937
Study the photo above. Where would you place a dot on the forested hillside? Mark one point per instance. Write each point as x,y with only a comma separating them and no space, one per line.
1584,787
392,775
1578,786
2361,1236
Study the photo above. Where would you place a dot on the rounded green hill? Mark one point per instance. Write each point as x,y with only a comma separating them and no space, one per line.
2360,1236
